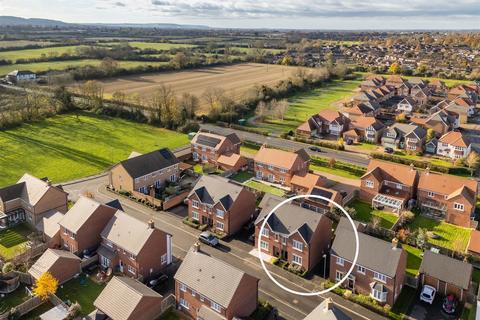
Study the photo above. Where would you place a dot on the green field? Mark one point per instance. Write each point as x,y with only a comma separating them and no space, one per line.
159,45
36,53
62,65
21,43
65,147
365,214
304,105
448,234
251,50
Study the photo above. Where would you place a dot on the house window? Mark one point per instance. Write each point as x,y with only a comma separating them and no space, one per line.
184,303
131,269
109,243
338,276
104,261
282,179
458,206
216,307
380,277
430,194
142,190
220,214
265,232
131,256
379,295
264,245
284,240
259,174
202,298
163,258
183,287
369,184
340,261
194,293
361,269
220,225
297,245
195,215
195,204
296,259
283,170
270,167
173,178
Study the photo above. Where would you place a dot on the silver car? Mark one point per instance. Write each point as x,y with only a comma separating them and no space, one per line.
208,238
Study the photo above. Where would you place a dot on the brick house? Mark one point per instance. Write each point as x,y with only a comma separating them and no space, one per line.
327,122
406,105
454,145
399,85
222,205
29,200
372,82
437,87
440,122
404,136
124,298
388,185
319,205
464,107
62,265
469,91
447,197
304,184
447,275
363,109
209,288
278,166
294,234
81,226
145,173
133,247
233,162
380,268
208,147
420,94
367,128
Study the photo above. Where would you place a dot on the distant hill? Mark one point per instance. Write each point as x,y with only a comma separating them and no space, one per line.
17,21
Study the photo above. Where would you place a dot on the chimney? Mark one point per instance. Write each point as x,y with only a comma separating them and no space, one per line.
328,304
196,247
427,170
394,243
49,183
151,224
412,167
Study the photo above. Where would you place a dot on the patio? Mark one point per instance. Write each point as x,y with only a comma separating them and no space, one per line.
380,201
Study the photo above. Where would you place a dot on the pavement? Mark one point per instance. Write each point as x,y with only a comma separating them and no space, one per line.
234,251
350,157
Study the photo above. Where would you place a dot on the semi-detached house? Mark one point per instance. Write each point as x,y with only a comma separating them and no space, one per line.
209,147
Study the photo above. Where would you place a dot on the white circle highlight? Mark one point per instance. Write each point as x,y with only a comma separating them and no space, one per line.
307,294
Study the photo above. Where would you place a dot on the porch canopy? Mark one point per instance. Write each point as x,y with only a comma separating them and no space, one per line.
383,200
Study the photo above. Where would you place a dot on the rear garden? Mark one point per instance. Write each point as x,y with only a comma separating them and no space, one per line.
82,290
13,241
365,213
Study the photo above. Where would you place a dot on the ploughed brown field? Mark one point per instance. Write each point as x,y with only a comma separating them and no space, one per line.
235,80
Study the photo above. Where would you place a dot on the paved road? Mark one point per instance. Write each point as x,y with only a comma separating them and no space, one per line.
235,252
350,157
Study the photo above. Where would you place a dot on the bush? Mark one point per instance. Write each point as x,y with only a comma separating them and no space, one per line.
191,223
202,227
274,260
7,267
321,143
189,127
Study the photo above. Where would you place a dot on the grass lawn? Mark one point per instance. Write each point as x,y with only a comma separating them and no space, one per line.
404,301
334,171
448,234
414,259
81,290
242,176
37,53
13,299
265,188
172,315
62,65
365,214
248,150
65,147
304,105
476,275
12,240
366,146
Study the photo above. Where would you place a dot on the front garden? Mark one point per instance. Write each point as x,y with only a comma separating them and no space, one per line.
13,241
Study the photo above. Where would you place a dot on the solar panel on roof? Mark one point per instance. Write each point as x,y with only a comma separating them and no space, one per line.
166,154
208,141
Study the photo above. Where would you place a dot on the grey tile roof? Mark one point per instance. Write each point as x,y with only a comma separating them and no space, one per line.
122,297
81,212
290,218
324,312
214,189
374,254
29,188
403,129
447,269
149,162
212,278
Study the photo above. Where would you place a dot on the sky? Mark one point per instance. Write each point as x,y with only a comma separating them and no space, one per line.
275,14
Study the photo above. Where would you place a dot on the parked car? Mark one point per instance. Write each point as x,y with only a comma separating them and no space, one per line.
162,278
388,150
88,253
450,304
428,294
208,238
349,141
315,149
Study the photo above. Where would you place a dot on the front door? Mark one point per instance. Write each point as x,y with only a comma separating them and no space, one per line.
351,283
284,255
121,266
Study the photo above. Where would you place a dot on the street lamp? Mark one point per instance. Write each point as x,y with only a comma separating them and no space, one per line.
324,266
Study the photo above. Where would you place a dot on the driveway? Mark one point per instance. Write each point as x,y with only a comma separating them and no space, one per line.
422,310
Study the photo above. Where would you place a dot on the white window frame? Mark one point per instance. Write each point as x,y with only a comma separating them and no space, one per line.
163,258
265,233
338,275
380,277
459,206
220,214
220,225
183,287
430,194
195,204
195,215
297,245
215,306
369,184
184,303
131,269
264,245
361,269
297,259
340,261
